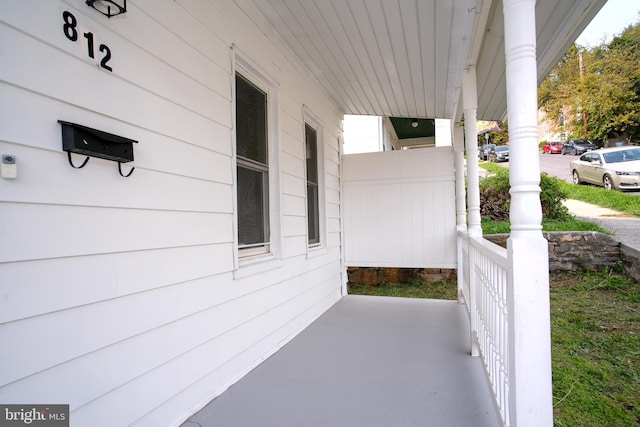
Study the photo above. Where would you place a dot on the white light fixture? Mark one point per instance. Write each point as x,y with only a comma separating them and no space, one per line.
414,123
108,8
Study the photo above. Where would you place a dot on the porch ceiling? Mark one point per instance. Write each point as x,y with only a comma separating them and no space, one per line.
406,57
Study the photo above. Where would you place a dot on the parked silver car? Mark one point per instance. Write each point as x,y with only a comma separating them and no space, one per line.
612,168
499,154
483,152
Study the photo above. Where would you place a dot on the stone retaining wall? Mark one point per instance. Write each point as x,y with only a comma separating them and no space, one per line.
631,259
584,250
568,251
578,250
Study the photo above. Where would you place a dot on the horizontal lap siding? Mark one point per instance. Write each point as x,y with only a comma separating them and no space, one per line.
43,282
399,209
120,293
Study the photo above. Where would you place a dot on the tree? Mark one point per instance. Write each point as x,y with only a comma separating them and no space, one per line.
498,134
623,63
557,92
500,137
606,94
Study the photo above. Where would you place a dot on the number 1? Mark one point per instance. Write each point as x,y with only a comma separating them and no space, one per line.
89,37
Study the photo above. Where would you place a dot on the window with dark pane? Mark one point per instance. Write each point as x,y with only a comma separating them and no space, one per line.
313,208
252,164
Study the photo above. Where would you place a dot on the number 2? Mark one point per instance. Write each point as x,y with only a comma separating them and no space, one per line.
107,56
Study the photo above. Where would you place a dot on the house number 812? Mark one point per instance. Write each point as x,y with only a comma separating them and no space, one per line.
70,29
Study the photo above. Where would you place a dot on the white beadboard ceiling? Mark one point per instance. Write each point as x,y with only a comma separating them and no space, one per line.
405,57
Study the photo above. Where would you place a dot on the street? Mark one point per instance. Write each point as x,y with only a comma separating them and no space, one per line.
554,164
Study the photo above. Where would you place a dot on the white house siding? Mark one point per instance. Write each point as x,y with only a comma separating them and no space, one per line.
399,209
118,295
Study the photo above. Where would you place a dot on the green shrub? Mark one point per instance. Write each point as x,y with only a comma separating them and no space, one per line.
495,198
552,194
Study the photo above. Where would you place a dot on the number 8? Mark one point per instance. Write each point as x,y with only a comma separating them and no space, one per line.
69,27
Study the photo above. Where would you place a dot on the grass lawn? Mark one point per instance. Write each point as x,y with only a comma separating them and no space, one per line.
617,200
502,227
415,289
595,334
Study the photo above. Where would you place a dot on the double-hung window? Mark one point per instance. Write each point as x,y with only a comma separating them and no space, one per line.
313,204
252,154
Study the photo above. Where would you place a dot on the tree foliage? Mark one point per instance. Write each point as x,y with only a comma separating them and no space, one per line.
607,94
498,136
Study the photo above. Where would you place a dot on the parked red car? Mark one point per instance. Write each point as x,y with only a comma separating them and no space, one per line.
552,148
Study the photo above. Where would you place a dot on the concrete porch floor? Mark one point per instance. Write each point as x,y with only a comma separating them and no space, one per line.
368,361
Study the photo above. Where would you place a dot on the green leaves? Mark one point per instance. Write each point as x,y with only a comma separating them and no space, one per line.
495,198
606,93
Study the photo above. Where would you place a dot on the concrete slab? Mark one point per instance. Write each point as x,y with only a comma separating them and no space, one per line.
368,361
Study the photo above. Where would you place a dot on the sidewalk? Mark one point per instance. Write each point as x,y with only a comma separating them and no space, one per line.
625,228
586,210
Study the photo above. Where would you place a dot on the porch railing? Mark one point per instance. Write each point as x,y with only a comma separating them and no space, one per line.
484,288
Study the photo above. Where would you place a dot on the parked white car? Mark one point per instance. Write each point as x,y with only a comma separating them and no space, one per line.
613,168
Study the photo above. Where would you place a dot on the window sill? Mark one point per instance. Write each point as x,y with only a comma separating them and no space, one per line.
251,266
316,251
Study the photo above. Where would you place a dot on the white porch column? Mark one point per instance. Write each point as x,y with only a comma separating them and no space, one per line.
458,152
470,106
461,202
529,318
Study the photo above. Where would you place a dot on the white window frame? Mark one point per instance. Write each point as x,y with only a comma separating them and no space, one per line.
313,121
248,261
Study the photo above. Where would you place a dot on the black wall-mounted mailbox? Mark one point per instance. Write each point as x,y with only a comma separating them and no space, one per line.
96,143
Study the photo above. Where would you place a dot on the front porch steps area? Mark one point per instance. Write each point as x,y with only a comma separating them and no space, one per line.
368,361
